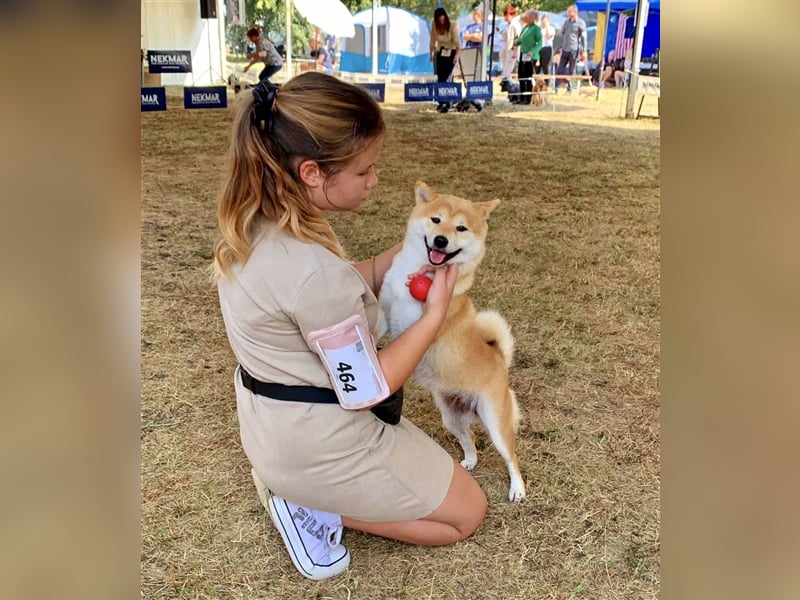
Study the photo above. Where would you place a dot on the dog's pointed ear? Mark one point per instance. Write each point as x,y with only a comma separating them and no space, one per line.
422,192
488,206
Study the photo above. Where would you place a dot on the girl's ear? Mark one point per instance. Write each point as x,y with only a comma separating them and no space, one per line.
310,173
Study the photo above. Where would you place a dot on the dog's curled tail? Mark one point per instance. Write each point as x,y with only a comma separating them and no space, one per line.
495,330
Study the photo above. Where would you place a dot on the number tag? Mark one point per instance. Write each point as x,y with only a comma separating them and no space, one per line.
446,51
348,352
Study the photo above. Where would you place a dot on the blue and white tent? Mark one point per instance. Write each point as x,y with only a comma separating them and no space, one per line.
651,40
403,43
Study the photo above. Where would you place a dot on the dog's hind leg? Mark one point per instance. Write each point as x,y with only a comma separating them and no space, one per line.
457,416
499,421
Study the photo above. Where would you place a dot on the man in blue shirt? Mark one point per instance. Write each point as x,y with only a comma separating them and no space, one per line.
573,46
321,55
473,33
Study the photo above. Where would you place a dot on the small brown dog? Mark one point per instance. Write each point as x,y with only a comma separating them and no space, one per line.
540,93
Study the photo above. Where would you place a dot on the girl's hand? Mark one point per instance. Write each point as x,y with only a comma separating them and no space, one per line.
440,292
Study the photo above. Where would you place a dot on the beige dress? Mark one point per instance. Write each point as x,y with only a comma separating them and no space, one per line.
319,455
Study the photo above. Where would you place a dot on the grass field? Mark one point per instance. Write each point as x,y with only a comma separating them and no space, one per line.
573,265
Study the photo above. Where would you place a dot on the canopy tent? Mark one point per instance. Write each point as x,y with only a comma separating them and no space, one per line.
652,32
616,5
403,42
646,34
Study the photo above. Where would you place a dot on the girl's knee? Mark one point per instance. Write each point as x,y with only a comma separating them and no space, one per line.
476,512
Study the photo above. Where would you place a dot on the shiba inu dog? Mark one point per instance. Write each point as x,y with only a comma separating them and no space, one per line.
466,367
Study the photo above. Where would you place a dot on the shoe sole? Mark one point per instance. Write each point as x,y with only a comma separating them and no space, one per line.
290,537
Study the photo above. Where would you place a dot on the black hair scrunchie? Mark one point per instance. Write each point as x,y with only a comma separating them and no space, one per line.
264,105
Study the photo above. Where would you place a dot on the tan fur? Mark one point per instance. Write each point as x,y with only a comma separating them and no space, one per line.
466,367
540,93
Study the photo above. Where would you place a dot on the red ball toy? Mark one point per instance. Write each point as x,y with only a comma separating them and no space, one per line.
419,286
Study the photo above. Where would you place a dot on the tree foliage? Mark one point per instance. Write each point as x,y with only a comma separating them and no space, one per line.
553,6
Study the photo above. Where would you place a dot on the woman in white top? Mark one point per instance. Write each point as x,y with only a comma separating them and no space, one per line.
511,53
546,53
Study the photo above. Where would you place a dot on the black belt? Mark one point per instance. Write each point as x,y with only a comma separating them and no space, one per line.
388,411
292,393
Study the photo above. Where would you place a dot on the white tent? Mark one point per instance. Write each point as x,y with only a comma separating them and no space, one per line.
177,25
403,42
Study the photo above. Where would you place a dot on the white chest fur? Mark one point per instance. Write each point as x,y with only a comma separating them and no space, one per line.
400,310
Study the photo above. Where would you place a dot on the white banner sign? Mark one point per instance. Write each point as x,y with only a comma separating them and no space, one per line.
649,86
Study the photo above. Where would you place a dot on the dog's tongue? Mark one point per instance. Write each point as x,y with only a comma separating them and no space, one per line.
437,257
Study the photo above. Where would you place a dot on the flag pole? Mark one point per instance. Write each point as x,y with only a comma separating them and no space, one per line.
603,49
288,40
642,8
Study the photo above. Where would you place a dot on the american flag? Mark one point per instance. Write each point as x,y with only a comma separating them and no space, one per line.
622,44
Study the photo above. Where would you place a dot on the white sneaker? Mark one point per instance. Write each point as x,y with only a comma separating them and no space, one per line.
312,537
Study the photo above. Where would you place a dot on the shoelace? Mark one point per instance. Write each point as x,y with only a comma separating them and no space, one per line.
334,537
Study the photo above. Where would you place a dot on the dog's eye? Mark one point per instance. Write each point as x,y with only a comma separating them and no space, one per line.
461,228
436,220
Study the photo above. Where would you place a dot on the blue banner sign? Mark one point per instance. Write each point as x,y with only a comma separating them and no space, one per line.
448,92
479,90
169,61
376,90
205,97
418,92
154,98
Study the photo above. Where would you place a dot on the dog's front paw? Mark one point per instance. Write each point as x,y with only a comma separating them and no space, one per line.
516,494
469,463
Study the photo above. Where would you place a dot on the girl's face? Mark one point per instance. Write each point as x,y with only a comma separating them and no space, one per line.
347,189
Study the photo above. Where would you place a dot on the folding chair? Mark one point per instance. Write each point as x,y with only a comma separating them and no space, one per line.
469,64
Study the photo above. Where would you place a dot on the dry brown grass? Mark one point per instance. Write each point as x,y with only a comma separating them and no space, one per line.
573,264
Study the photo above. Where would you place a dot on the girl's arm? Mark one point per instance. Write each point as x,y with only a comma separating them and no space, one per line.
380,263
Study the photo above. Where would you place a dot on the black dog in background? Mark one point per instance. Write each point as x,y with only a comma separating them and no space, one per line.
512,89
237,84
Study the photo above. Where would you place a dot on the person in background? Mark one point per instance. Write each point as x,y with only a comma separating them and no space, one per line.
332,46
266,53
473,33
573,45
530,44
321,55
498,47
620,66
608,70
546,53
511,53
588,68
445,49
298,154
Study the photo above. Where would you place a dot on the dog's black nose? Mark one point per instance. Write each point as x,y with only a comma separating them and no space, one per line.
440,242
